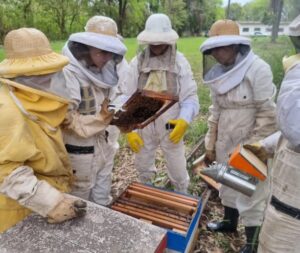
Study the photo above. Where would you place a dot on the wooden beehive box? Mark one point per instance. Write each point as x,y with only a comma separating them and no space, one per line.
142,107
178,213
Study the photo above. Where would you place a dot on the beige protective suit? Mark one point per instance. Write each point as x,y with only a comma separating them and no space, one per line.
31,151
243,114
155,134
281,227
90,142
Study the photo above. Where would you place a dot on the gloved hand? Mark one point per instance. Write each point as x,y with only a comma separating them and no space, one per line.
68,208
106,114
41,197
210,156
257,149
135,141
180,127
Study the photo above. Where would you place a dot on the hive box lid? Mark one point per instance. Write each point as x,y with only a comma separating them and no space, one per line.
101,230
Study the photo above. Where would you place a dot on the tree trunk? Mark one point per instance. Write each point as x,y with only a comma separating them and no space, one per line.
122,12
277,6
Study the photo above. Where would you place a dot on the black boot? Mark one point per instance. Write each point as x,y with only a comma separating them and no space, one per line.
229,222
252,234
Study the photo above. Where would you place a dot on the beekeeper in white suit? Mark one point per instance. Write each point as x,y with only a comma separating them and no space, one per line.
95,71
242,111
281,228
161,67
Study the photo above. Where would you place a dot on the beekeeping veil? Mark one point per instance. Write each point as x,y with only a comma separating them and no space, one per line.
158,73
223,78
294,33
100,32
30,61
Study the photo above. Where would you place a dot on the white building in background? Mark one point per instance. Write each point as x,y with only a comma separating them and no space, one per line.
253,28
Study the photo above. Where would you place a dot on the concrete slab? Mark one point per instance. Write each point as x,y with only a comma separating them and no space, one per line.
101,230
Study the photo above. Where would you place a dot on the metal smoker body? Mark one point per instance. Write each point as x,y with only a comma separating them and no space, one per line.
231,177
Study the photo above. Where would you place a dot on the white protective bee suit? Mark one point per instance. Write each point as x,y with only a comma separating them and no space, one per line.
172,65
281,227
90,142
242,111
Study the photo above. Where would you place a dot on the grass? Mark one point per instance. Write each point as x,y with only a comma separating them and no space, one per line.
271,53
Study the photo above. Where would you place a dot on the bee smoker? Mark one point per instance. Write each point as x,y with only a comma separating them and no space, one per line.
231,177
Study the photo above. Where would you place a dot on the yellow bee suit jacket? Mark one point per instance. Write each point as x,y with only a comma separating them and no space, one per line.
33,140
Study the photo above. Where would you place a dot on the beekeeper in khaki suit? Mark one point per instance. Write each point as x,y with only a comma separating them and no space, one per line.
281,228
160,67
95,72
34,165
242,111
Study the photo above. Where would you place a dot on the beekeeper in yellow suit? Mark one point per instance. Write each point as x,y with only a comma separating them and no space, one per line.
160,67
242,111
34,166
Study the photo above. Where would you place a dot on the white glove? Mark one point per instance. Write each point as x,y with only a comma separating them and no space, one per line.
39,196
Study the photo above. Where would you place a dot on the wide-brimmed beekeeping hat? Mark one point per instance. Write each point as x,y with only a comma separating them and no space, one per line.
101,32
28,52
158,30
224,33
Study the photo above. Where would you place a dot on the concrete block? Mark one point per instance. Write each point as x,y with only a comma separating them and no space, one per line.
101,230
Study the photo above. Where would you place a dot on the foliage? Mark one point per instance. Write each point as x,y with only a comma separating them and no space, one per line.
176,10
58,19
213,11
255,10
291,9
236,11
273,54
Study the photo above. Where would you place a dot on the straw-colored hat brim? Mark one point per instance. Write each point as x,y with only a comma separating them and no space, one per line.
35,91
224,40
146,37
31,66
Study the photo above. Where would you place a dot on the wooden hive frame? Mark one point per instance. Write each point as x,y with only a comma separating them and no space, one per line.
143,107
166,209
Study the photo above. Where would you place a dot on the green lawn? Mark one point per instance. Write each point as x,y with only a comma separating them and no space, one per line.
271,53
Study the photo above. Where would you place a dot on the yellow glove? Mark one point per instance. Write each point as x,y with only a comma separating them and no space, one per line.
180,127
135,141
257,149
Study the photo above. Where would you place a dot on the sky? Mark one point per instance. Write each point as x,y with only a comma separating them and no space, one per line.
225,2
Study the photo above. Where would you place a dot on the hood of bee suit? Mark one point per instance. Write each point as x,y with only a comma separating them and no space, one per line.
38,105
221,78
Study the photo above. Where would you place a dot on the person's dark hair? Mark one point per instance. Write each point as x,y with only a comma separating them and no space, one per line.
80,52
239,48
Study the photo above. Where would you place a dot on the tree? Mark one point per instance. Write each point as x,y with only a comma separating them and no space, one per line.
14,14
291,9
236,11
176,10
276,6
63,14
255,10
213,11
195,16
